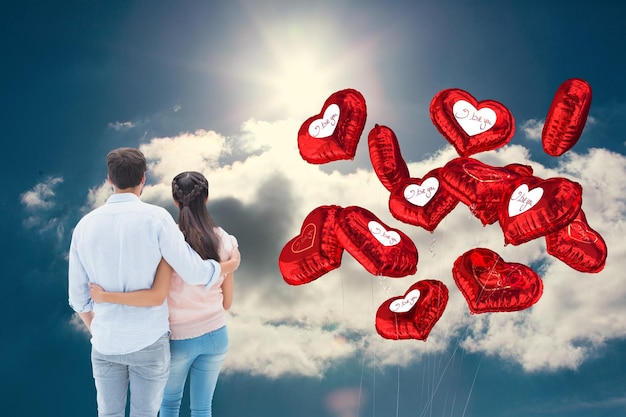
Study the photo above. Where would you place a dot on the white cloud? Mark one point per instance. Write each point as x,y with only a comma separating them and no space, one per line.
121,125
591,120
532,129
78,325
42,194
98,196
277,329
194,151
42,211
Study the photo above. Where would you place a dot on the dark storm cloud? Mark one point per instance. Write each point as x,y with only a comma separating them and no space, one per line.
260,227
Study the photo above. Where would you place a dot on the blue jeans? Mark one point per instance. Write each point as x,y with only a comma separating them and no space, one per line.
201,358
146,370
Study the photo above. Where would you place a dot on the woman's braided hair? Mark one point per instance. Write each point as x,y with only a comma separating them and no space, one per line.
190,190
186,198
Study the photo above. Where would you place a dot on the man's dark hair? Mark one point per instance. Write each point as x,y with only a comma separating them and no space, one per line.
126,167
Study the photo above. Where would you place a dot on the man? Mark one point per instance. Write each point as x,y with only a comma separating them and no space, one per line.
119,246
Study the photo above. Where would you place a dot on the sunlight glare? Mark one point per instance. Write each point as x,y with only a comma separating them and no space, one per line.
300,82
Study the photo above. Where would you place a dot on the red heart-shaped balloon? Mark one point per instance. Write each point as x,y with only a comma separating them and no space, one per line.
534,207
578,246
413,315
471,126
334,133
489,284
480,186
315,251
386,157
381,250
567,116
422,202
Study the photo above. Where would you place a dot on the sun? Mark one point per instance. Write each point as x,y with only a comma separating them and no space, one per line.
298,61
301,70
287,66
299,82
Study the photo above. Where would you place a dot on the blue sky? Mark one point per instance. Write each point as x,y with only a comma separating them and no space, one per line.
222,87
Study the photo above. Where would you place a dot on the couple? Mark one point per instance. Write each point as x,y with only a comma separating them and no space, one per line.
120,276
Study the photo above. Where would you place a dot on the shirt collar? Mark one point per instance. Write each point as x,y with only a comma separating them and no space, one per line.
122,198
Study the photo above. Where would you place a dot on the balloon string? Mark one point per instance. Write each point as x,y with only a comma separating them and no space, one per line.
469,395
439,368
431,246
382,281
491,270
364,346
343,297
374,389
398,392
437,383
395,316
358,406
472,211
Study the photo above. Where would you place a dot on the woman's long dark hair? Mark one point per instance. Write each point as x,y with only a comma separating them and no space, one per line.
191,190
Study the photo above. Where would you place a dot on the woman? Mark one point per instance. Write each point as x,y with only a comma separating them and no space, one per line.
199,338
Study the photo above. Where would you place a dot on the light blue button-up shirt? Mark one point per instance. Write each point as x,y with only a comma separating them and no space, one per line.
119,246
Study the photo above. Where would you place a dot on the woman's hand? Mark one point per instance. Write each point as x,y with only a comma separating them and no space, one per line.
151,297
235,256
96,292
232,263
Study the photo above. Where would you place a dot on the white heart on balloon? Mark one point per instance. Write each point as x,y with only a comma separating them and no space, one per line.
473,121
384,236
420,195
524,199
402,305
324,127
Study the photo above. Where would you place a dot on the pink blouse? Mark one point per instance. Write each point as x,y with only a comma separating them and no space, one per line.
193,310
